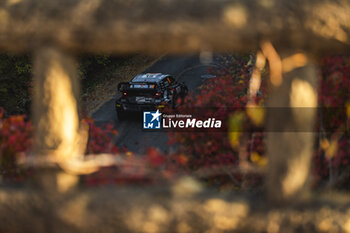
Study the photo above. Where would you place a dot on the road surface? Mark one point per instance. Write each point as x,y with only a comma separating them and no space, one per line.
187,69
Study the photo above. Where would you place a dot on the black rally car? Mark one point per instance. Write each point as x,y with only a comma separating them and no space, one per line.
147,92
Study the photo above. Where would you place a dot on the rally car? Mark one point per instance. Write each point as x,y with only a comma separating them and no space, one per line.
148,92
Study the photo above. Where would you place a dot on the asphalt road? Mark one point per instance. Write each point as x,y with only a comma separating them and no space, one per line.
187,69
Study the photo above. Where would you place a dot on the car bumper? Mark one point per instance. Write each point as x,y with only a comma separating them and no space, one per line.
137,107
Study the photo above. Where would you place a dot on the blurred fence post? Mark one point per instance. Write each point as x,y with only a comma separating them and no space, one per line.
55,105
291,117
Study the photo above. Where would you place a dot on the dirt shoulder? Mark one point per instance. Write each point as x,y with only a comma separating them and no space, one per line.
92,99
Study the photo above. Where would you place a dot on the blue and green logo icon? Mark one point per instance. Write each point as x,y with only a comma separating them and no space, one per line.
151,120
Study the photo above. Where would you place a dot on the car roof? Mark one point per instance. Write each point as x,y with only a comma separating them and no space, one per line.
149,77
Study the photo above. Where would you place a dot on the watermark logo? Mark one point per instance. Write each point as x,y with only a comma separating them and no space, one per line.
151,120
157,120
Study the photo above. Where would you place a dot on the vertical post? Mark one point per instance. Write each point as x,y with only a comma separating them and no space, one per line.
292,110
55,104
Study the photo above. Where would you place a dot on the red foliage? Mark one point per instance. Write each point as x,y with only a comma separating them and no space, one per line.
100,138
230,89
221,97
15,134
333,154
15,140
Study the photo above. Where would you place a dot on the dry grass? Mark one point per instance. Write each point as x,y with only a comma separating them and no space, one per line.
107,89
